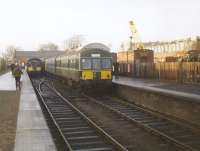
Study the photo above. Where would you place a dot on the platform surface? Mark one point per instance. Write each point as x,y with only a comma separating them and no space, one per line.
7,82
180,90
32,132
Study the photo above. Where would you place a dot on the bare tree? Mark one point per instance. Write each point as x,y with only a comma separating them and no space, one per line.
48,47
10,51
9,54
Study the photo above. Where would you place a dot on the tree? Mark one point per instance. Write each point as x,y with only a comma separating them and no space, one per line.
48,47
10,51
9,54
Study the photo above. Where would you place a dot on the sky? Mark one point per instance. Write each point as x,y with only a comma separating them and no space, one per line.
28,23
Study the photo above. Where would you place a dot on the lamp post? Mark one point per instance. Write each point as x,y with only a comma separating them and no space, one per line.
130,48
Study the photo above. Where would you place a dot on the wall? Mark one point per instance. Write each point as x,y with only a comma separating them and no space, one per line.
178,107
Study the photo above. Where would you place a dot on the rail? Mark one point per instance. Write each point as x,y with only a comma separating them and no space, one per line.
58,107
181,137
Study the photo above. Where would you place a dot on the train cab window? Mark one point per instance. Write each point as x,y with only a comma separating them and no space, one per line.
86,63
96,63
106,63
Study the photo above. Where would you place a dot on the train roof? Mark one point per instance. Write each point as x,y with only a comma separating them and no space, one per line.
90,46
31,59
95,46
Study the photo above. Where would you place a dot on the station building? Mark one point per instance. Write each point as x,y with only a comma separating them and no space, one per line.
172,51
166,51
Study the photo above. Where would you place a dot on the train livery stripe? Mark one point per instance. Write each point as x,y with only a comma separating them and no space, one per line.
106,74
87,75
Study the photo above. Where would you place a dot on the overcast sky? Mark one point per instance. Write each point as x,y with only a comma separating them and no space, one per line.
28,23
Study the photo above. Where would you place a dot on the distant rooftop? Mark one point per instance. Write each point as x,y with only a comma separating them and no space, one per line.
21,55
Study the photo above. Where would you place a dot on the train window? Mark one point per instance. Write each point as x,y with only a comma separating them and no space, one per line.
96,63
76,64
86,63
58,62
106,63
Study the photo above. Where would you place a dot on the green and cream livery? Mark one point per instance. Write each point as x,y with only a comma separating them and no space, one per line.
90,64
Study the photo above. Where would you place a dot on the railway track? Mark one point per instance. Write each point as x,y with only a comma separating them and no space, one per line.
78,131
129,131
182,136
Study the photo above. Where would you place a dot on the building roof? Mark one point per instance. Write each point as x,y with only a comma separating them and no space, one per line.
37,54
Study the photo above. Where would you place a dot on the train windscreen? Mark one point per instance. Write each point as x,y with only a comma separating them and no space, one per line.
106,63
96,63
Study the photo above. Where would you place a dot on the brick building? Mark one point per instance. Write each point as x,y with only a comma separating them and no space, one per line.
23,56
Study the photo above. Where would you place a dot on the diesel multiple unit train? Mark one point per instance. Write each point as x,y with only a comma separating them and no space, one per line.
92,64
34,66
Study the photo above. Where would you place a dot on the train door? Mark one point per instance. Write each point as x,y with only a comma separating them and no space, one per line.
96,65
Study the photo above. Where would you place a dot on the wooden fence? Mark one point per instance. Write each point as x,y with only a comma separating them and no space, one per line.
182,72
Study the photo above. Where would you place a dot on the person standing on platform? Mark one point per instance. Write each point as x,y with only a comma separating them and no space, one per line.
17,74
116,70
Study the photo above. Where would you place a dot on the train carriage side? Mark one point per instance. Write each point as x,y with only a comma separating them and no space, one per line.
50,65
67,66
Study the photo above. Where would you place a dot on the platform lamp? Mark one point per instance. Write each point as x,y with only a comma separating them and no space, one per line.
133,31
130,48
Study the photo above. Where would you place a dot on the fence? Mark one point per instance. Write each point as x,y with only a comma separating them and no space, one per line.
177,71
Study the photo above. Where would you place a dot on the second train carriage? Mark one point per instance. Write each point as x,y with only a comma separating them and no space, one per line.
91,64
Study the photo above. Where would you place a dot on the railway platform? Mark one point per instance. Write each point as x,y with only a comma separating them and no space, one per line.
184,91
32,132
7,82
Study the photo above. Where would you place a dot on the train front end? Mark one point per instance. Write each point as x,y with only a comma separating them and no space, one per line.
34,66
96,65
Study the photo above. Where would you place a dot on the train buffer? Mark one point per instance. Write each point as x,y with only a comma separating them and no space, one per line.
32,132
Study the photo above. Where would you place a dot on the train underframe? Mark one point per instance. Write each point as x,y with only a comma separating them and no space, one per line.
84,85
